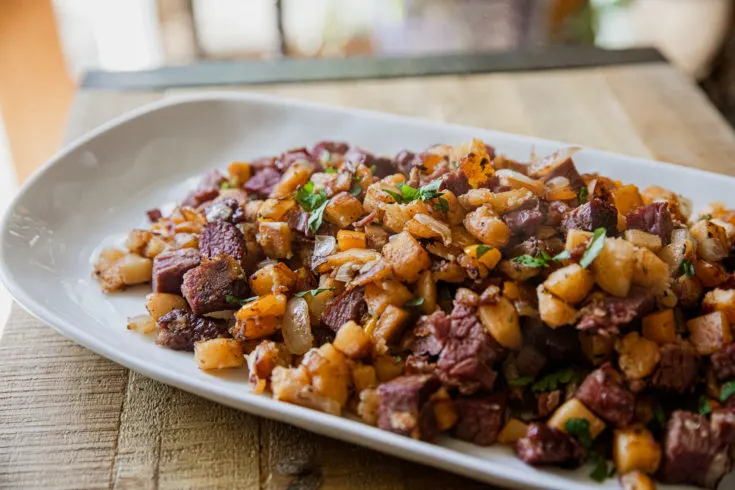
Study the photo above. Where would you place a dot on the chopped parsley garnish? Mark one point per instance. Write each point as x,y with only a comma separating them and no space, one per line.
312,292
316,216
550,382
373,169
428,192
686,267
414,302
594,247
728,390
234,300
356,190
226,185
482,250
603,469
308,199
583,194
659,415
542,260
580,430
330,170
707,217
522,381
398,360
705,407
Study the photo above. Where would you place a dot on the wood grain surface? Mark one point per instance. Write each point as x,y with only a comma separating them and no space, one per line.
71,419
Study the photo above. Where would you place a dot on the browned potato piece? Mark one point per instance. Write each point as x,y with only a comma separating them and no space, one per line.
378,295
138,240
343,210
635,449
106,271
273,278
275,238
155,246
158,304
369,405
637,481
626,198
712,241
257,327
395,217
660,326
262,360
329,373
363,376
352,341
710,274
720,300
512,431
218,354
485,225
650,271
275,209
268,305
575,238
597,348
426,289
317,304
638,356
134,269
614,267
516,271
295,176
142,324
710,332
238,173
390,324
575,409
501,322
388,367
407,257
292,385
682,246
553,311
640,238
571,283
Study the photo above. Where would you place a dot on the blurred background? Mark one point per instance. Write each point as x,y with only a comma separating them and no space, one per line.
46,46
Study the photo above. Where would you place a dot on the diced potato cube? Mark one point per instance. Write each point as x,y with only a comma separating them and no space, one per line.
347,239
640,238
317,304
155,246
516,271
134,269
275,238
635,449
106,271
553,311
292,385
329,373
219,354
637,481
142,324
597,348
275,209
660,326
710,274
712,241
352,341
263,359
473,159
682,246
186,240
158,304
614,267
238,173
710,332
511,290
627,198
512,431
571,283
426,290
485,225
273,278
268,305
575,238
407,257
369,405
720,300
378,295
650,271
575,409
501,322
445,411
137,240
256,327
390,324
488,256
294,177
638,356
343,210
388,367
657,193
456,212
363,376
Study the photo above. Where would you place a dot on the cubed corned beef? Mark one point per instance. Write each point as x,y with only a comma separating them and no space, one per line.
547,403
723,362
466,362
383,166
207,286
329,146
604,392
592,215
480,418
530,360
403,162
677,370
419,365
455,181
654,218
222,238
169,268
349,305
560,345
154,215
604,313
207,190
178,330
568,170
404,406
224,209
543,445
285,160
262,183
525,221
429,335
722,426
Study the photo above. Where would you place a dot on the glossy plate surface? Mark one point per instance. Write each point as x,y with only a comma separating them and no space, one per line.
100,186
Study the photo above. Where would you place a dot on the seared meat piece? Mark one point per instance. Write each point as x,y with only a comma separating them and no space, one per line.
722,426
604,392
222,238
455,181
429,335
329,146
285,160
526,220
654,218
723,362
402,162
548,402
530,361
546,446
677,371
560,345
419,365
262,183
567,170
480,418
179,330
592,215
154,215
207,189
349,305
383,166
224,209
169,268
207,286
405,408
604,313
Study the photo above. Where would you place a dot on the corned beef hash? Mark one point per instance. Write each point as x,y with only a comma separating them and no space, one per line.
571,316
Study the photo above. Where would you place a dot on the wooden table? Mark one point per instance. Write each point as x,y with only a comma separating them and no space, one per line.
71,419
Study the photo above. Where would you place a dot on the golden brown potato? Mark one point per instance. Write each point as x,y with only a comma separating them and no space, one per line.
343,210
238,173
636,481
512,431
106,272
158,304
144,324
516,271
553,311
329,373
390,324
650,271
501,322
710,274
710,332
347,239
635,449
294,177
317,304
273,278
488,256
219,354
363,376
426,290
683,246
638,356
614,267
395,217
268,305
378,295
484,224
571,283
293,385
406,256
660,326
368,406
597,348
576,238
575,409
138,240
712,242
255,327
626,198
352,341
275,209
388,367
275,238
720,300
640,238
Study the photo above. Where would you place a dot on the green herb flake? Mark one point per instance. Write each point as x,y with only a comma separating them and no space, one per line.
705,407
522,381
565,255
580,430
414,302
686,268
398,360
356,190
707,217
728,390
529,261
603,469
316,216
226,185
442,205
234,300
482,250
659,415
583,194
330,170
396,196
550,382
594,247
312,292
373,169
308,199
